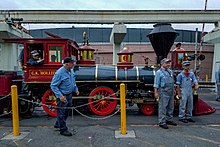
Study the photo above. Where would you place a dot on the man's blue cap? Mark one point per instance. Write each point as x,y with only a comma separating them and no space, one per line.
185,63
68,60
164,61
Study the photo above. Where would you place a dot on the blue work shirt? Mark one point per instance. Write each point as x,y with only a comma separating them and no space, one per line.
182,76
31,61
63,82
217,76
160,78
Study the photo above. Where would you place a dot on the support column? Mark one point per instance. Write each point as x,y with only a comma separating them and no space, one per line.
9,51
214,37
117,35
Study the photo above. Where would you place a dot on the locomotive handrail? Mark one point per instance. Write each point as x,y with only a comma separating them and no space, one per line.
203,84
5,96
109,81
5,114
17,80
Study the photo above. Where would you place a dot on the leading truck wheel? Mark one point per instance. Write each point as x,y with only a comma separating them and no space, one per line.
103,102
147,109
49,103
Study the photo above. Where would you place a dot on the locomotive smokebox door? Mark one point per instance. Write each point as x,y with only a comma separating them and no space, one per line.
162,38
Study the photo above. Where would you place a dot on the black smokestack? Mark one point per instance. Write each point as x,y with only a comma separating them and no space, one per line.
162,38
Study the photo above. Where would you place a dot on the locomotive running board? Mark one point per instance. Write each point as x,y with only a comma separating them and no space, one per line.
87,97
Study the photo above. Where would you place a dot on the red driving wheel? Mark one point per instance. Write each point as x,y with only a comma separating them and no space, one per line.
103,101
147,109
49,103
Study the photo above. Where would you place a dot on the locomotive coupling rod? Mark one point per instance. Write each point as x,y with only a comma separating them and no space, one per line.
123,109
15,116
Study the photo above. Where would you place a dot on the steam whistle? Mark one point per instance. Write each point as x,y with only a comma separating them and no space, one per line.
85,39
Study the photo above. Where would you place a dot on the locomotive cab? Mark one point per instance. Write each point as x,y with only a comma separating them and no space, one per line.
38,75
178,56
50,51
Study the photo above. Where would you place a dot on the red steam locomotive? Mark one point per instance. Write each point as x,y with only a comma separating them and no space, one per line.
98,84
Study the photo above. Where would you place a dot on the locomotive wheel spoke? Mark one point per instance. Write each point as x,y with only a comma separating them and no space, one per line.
50,110
100,108
106,94
105,106
97,105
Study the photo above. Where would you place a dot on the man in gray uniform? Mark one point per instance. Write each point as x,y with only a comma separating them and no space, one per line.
164,91
185,81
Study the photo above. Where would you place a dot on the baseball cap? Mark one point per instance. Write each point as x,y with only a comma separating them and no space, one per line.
185,63
68,60
165,60
34,53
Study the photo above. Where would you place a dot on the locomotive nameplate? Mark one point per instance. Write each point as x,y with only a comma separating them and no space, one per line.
41,73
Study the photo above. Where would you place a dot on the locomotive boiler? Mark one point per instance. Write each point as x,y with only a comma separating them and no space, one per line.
99,84
104,82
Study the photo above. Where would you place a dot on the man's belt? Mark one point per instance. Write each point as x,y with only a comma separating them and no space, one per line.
66,94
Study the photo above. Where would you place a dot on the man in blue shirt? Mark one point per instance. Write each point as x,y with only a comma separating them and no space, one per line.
164,91
185,81
217,78
63,84
21,59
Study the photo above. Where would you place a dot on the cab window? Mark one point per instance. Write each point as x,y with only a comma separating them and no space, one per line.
36,48
55,53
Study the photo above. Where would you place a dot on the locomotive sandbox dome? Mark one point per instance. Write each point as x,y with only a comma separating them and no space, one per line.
86,55
162,38
86,52
125,59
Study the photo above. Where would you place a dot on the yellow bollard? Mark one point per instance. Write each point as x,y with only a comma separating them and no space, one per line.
15,116
206,78
123,109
